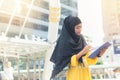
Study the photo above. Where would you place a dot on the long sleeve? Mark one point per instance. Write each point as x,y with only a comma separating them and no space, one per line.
77,70
90,61
74,61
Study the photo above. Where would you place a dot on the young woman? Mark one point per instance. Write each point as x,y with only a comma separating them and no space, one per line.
71,49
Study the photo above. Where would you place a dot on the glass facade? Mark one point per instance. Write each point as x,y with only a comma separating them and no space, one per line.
31,15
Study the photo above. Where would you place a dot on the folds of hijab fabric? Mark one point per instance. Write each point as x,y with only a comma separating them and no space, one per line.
67,45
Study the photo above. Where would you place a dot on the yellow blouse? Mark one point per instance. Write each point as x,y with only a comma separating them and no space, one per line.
80,71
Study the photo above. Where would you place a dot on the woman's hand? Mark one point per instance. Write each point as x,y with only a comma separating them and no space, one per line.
86,49
102,52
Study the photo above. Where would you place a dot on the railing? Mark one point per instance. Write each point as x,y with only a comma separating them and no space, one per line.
33,74
105,72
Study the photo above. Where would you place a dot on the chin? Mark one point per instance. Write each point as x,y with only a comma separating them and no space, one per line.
78,34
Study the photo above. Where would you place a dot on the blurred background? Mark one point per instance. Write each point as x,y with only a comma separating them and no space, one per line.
30,28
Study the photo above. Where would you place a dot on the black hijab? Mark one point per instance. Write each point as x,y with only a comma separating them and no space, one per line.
67,45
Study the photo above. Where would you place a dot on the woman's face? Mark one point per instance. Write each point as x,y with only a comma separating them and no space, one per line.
78,29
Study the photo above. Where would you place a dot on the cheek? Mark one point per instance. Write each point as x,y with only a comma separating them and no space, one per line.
77,31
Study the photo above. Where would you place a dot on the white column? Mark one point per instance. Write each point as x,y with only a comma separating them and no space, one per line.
34,67
48,67
54,17
27,67
18,66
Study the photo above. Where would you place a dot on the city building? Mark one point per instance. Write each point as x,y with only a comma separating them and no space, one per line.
111,18
30,17
111,28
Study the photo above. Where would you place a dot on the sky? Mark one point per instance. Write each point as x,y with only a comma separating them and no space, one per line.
90,13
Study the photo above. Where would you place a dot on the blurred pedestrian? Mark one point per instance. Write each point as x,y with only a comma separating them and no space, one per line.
8,71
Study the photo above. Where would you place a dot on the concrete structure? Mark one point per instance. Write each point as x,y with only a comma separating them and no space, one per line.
111,18
54,18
